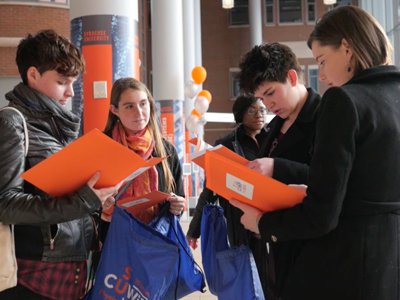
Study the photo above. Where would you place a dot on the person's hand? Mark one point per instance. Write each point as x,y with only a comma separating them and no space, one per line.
105,195
177,204
193,243
264,166
250,216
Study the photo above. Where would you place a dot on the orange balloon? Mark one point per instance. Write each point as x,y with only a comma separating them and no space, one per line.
205,94
199,74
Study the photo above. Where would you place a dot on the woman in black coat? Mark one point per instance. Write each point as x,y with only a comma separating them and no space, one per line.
349,220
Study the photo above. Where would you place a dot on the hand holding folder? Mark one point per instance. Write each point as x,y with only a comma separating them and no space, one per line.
227,175
135,205
70,168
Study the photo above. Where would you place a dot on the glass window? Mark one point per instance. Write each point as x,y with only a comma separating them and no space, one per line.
269,12
311,11
234,83
313,77
239,14
290,11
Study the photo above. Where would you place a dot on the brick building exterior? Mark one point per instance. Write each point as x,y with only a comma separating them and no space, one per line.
17,19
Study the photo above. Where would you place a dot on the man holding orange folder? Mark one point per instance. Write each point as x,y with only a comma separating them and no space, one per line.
271,72
53,235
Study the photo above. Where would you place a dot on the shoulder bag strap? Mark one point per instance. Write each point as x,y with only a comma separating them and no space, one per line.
24,124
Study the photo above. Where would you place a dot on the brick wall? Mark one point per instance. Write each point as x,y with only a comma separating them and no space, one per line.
19,20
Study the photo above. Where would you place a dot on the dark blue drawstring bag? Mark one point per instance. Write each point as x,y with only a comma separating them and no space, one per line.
138,262
190,276
231,273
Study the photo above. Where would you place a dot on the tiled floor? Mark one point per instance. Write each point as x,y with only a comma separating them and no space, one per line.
197,255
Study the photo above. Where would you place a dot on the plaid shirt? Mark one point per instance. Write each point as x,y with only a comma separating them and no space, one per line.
54,280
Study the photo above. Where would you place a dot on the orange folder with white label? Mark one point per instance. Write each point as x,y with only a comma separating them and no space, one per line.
70,168
135,205
227,175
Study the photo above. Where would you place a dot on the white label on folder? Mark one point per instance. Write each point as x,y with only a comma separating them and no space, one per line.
136,202
239,186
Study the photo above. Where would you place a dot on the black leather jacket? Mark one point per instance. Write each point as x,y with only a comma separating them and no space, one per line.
48,229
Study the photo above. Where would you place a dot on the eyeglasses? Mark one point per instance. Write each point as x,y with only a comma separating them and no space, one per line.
254,111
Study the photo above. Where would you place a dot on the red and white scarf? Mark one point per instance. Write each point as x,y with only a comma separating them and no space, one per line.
143,145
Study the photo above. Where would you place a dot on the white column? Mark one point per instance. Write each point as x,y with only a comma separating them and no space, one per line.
168,69
255,20
188,48
167,49
198,60
197,30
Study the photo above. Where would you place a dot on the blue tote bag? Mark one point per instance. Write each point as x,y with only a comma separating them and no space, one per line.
137,262
231,273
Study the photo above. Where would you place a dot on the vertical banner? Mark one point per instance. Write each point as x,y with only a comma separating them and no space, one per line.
97,80
107,45
173,129
172,124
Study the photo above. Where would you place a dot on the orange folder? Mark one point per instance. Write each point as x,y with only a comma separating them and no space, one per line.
227,175
70,168
199,157
138,204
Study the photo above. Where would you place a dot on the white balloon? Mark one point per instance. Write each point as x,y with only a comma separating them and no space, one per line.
202,121
191,89
201,104
193,124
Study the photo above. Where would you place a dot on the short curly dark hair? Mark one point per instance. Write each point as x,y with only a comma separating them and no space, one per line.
266,62
46,51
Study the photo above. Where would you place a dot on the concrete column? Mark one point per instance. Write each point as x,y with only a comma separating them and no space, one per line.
255,20
189,46
192,58
197,29
168,69
107,33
